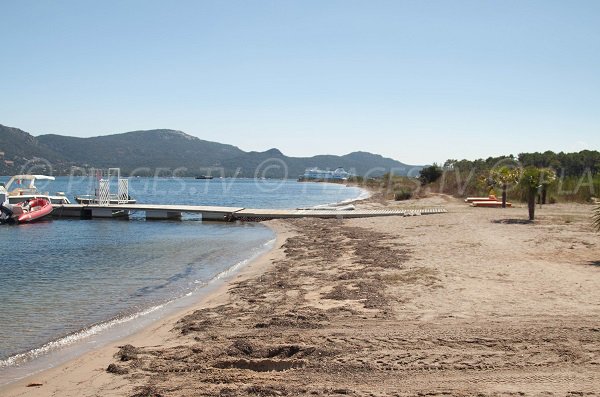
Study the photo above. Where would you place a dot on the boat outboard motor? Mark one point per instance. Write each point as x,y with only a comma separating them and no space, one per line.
6,214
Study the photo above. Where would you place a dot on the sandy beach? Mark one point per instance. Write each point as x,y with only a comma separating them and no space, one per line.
472,302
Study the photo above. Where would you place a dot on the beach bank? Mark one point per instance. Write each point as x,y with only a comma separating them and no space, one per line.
475,301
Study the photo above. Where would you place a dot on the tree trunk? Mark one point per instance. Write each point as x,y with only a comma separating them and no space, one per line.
504,195
544,191
531,204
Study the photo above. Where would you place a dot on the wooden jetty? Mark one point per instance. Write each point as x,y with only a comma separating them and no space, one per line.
227,214
264,214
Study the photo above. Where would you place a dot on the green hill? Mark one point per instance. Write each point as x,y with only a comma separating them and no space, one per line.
144,151
21,152
166,151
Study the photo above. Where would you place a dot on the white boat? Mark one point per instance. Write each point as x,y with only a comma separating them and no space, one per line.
28,210
315,174
23,188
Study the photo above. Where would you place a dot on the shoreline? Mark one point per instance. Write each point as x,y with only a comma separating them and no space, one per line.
470,302
67,348
211,292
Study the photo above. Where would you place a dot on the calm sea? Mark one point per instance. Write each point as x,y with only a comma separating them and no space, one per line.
67,281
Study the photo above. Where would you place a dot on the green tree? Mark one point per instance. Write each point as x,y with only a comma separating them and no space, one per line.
430,174
504,177
532,180
548,178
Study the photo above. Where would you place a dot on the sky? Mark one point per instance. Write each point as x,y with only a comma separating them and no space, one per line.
419,81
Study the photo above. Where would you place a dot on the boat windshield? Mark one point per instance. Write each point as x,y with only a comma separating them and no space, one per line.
19,179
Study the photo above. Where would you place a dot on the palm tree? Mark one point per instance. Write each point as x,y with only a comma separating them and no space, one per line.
549,176
504,177
532,180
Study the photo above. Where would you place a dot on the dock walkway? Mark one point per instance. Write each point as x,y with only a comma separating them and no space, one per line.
160,211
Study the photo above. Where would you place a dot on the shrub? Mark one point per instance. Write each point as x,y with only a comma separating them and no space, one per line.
402,195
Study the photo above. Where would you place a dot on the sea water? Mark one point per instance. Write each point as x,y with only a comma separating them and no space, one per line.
63,281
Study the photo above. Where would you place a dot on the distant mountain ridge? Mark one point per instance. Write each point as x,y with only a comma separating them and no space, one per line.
165,151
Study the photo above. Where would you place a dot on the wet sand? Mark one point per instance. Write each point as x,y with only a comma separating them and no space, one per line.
475,301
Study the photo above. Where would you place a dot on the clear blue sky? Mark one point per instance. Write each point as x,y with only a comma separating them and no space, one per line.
419,81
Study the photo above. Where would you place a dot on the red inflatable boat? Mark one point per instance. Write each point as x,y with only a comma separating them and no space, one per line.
34,209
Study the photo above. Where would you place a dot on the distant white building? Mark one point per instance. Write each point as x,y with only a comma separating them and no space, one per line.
339,174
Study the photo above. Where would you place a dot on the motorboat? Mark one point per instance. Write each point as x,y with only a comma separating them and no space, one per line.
205,177
23,189
29,210
6,214
32,210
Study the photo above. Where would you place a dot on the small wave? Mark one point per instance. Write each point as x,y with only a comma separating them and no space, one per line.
362,195
79,336
21,358
227,272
